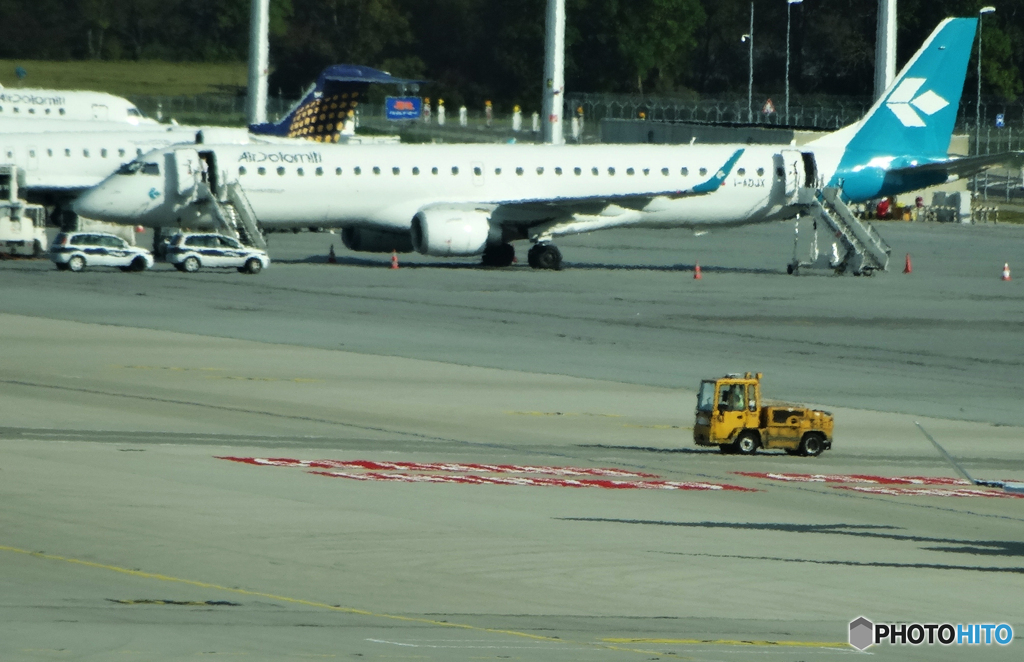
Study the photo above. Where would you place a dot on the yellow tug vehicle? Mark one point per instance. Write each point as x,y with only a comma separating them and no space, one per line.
731,415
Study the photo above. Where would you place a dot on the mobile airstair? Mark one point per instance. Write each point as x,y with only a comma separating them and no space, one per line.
858,249
234,214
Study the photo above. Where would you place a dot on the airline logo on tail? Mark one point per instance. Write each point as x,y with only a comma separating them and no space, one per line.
907,107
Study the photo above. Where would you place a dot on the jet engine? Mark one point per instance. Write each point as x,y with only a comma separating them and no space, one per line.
451,232
362,240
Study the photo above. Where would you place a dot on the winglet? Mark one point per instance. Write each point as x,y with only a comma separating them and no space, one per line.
713,184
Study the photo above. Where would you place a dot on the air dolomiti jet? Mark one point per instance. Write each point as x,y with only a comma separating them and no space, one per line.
59,159
37,110
462,200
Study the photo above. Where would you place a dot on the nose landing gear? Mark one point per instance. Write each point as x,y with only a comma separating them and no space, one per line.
545,256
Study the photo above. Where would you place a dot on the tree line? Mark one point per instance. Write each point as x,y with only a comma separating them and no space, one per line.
471,50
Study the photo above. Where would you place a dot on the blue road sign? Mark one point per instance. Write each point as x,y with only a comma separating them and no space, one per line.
1000,121
403,108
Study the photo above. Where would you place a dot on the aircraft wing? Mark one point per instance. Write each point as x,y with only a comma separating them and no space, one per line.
966,166
593,204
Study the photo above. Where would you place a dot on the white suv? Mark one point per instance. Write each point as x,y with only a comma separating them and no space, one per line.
190,252
76,250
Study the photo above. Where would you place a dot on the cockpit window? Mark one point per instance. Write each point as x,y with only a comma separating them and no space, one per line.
134,112
129,168
150,169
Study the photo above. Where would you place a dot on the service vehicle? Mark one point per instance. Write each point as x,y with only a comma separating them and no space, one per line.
74,251
191,251
22,225
731,415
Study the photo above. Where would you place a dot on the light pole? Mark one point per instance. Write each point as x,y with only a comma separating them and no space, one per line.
749,38
554,73
789,6
977,116
259,20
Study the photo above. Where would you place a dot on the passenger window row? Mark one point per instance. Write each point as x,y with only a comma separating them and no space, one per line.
104,152
32,111
478,171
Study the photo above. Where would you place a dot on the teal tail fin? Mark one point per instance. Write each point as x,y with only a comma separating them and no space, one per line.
915,116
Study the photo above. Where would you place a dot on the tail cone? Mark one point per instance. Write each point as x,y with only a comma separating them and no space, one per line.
696,272
1006,271
907,268
394,260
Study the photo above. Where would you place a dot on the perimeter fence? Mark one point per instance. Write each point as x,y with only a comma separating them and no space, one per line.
806,113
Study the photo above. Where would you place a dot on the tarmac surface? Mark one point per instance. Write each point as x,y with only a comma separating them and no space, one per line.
447,462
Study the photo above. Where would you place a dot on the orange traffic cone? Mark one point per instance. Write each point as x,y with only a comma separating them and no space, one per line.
331,259
696,272
907,268
1006,271
394,260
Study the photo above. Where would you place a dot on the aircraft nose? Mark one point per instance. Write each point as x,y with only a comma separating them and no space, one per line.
100,203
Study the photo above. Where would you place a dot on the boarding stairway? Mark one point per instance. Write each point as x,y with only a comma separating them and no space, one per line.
864,251
234,214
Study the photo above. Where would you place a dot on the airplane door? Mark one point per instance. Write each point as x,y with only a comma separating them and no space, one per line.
478,173
185,170
208,171
811,171
99,112
793,163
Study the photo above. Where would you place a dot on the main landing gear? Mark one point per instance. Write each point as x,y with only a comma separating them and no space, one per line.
498,255
545,256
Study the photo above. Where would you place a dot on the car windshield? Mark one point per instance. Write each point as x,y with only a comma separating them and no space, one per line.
706,397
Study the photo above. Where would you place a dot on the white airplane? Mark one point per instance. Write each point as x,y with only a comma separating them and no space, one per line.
59,159
62,110
463,200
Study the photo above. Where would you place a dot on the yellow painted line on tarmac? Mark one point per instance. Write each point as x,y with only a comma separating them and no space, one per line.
560,413
297,380
608,645
166,367
734,642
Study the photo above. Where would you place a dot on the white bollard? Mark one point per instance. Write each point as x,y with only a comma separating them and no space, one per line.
575,124
536,122
488,113
463,116
426,111
517,119
440,112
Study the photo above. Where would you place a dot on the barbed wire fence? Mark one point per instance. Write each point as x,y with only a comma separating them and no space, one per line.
998,128
818,114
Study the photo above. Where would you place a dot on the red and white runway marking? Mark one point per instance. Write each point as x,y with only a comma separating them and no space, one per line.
519,481
883,484
502,474
855,478
924,491
451,467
